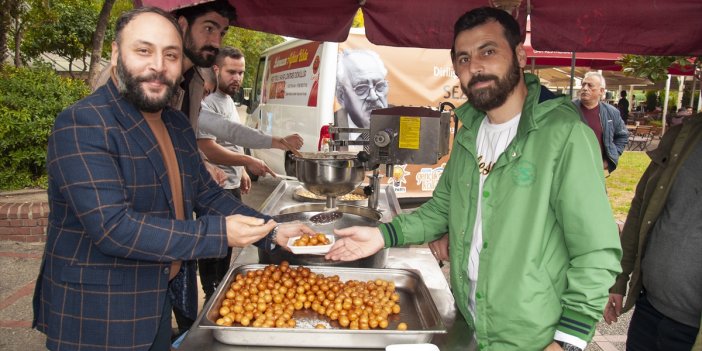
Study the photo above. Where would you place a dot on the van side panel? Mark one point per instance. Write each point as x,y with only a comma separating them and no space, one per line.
296,95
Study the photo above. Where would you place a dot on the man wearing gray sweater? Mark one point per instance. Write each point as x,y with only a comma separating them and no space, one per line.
219,125
661,243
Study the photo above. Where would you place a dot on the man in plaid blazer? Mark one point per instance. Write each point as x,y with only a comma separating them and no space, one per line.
124,178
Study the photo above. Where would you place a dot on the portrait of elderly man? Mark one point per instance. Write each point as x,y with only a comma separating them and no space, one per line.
361,86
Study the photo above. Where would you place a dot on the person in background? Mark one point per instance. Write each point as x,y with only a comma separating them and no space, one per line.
361,85
662,242
623,106
124,177
217,109
530,268
604,120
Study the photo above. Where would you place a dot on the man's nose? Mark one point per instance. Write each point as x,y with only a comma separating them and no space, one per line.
475,66
216,39
372,94
157,63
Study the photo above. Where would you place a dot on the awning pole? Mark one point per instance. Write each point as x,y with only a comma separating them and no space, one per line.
572,74
665,104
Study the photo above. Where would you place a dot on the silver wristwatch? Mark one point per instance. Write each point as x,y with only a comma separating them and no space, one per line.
568,347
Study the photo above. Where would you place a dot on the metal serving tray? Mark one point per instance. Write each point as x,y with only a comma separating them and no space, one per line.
417,310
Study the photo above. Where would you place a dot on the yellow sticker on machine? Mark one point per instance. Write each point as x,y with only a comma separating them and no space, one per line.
409,132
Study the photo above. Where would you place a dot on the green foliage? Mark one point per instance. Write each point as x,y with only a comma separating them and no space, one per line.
654,68
252,43
358,21
30,99
65,28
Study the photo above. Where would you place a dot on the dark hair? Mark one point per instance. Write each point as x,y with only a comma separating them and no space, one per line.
128,16
222,7
623,93
483,15
228,51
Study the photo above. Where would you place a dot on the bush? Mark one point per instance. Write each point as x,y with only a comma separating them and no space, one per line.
30,99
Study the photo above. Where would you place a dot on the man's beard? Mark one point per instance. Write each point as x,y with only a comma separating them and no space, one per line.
200,59
131,88
229,89
486,99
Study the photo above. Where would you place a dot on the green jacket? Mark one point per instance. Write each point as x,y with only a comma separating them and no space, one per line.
551,246
649,201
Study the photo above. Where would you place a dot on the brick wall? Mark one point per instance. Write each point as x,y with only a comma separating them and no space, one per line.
24,222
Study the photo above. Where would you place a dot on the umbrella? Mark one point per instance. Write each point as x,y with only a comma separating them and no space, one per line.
645,27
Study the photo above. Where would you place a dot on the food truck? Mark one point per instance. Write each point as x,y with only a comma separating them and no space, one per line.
295,91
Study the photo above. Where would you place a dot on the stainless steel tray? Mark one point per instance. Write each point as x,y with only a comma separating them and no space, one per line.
417,310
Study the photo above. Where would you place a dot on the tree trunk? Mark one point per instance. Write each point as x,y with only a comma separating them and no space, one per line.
9,10
18,41
98,39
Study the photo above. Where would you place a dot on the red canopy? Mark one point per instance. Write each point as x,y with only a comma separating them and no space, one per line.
595,60
646,27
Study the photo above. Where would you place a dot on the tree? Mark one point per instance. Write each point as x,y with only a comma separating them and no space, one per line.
98,39
251,43
61,27
12,25
653,68
358,20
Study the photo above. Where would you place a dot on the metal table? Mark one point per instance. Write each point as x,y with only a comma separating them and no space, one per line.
458,337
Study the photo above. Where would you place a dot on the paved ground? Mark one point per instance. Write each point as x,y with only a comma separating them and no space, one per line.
19,266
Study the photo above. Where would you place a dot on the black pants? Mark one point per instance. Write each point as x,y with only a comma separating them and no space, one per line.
650,330
213,270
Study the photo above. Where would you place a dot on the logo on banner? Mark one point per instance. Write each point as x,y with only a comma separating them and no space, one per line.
399,177
427,178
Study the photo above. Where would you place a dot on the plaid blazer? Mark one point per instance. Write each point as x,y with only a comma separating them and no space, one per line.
112,234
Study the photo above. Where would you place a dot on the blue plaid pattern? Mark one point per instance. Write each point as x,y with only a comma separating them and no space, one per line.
112,234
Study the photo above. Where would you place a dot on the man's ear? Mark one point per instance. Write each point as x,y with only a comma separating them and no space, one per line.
521,55
183,23
115,53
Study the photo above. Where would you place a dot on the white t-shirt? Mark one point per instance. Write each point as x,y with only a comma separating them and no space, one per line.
492,141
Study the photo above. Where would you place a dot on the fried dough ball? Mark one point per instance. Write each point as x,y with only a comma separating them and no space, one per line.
315,240
270,296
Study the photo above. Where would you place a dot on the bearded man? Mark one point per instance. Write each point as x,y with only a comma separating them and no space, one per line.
124,178
533,243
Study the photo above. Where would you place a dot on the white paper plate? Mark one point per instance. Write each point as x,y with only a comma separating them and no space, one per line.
310,250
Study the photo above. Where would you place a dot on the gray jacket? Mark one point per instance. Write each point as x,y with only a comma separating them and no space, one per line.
614,133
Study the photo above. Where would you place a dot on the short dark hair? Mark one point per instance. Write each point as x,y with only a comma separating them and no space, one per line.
228,51
623,93
128,16
222,7
483,15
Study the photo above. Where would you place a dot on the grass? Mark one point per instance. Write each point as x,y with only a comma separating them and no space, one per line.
621,184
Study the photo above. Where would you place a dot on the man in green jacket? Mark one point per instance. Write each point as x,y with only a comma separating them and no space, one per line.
662,242
534,246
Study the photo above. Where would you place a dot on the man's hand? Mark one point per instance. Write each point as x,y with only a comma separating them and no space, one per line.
245,183
217,174
258,167
355,243
613,309
440,248
285,143
289,230
244,230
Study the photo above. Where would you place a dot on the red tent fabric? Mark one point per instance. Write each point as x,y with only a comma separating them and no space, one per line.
595,60
645,27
